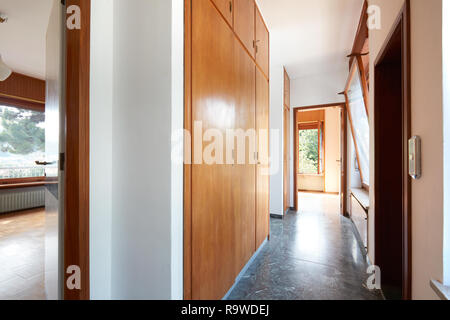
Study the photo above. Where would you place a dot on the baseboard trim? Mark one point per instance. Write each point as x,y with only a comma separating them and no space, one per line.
319,192
361,245
276,216
244,270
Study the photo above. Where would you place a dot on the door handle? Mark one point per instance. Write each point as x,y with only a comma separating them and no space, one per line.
44,163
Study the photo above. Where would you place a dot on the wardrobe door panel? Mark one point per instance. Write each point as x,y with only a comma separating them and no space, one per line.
244,188
262,173
244,23
213,104
262,44
226,9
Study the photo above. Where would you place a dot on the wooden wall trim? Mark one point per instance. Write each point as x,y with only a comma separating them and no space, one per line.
76,200
349,113
344,183
320,106
23,91
296,145
362,33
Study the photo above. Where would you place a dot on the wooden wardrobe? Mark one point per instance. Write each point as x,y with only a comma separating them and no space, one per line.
226,206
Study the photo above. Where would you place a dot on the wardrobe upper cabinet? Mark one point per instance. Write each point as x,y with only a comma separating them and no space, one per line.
244,23
226,9
262,44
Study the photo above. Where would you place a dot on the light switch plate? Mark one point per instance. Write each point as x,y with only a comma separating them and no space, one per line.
415,157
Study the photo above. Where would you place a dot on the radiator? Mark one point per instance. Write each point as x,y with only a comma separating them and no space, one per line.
22,199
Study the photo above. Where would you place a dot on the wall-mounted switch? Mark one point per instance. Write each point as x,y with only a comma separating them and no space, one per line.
415,157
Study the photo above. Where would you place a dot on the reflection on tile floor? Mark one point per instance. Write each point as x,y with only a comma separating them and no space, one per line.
22,253
311,255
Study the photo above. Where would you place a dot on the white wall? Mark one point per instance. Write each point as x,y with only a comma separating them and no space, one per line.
276,139
177,169
101,101
332,150
318,89
136,105
426,121
446,125
307,182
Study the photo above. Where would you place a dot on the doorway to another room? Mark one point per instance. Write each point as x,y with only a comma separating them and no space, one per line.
31,146
318,145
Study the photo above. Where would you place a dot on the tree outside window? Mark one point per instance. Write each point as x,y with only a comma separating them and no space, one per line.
310,149
22,141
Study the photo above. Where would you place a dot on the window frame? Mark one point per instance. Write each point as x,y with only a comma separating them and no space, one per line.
357,67
316,125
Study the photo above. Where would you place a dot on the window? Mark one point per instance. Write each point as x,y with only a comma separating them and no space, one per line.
310,148
359,121
22,142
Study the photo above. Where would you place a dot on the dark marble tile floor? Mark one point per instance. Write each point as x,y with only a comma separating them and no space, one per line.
311,255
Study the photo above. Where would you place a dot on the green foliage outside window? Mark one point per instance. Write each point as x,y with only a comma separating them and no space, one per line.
309,151
22,141
21,133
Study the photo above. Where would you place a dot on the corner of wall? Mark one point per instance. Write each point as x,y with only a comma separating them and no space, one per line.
101,91
177,172
276,138
446,126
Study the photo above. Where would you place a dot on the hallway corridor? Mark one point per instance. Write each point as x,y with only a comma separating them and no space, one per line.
311,255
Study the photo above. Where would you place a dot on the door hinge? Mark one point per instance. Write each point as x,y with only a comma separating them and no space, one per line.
62,161
231,6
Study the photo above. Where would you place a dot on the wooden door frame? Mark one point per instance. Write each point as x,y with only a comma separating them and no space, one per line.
76,181
187,194
403,21
340,105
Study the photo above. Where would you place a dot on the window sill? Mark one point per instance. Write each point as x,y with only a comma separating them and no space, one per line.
442,291
310,175
362,196
21,183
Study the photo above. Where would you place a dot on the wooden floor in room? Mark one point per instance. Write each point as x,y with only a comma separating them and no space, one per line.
22,250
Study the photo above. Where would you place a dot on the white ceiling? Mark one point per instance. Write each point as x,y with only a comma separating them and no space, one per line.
22,38
311,37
